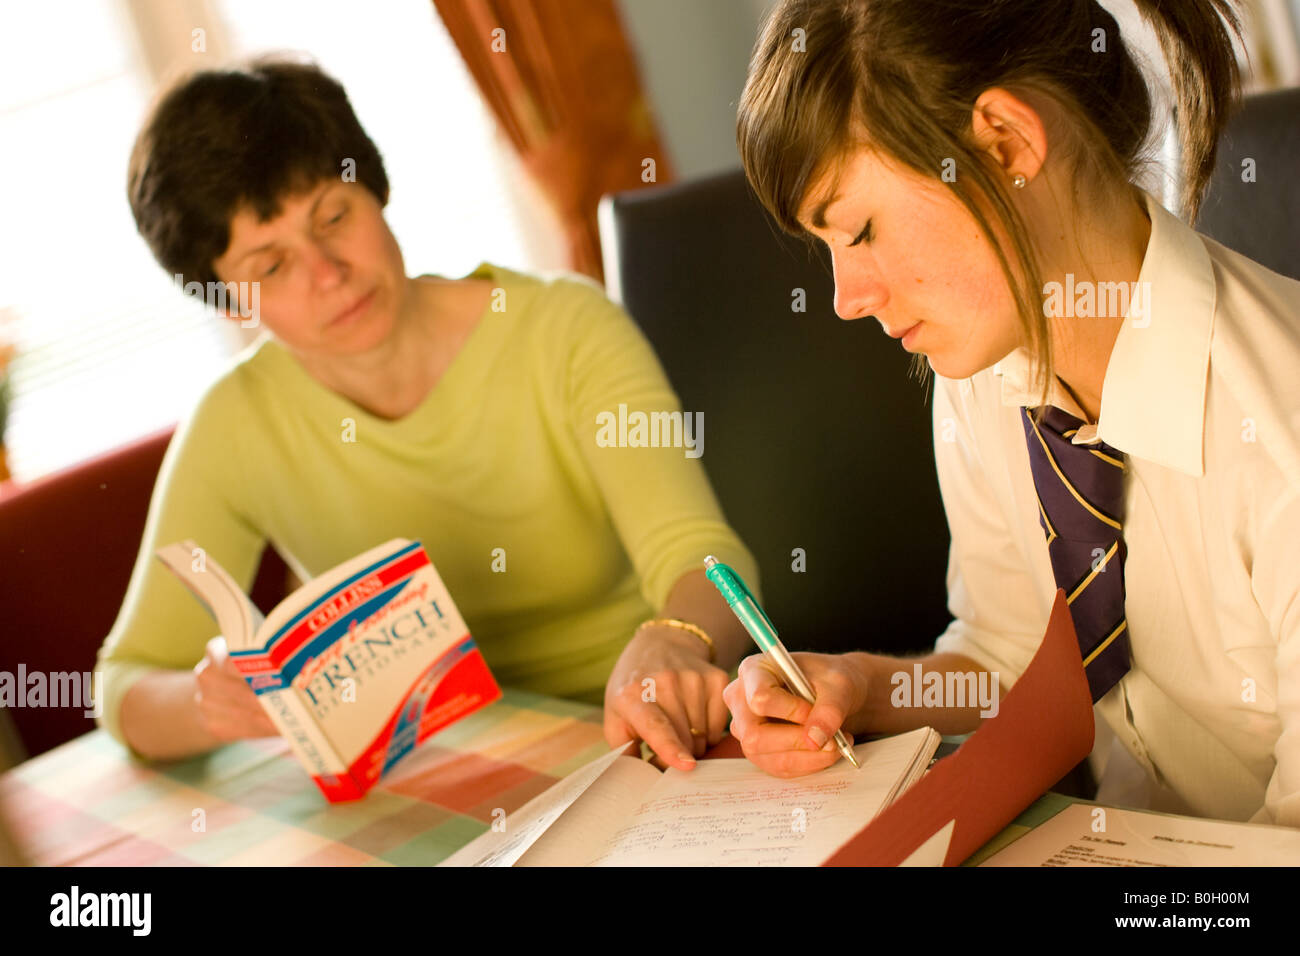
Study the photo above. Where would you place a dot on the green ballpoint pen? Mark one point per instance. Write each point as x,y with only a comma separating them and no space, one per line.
760,627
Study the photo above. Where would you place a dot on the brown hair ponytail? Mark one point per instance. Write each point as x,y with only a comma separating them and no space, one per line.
1206,80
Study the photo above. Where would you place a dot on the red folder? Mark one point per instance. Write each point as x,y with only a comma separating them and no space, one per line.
1043,728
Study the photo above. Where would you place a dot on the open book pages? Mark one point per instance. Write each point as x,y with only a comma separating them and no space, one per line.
621,811
237,617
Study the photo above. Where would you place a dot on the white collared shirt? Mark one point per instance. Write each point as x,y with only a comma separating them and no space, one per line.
1202,394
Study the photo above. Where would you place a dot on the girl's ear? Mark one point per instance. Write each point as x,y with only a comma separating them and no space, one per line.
1011,131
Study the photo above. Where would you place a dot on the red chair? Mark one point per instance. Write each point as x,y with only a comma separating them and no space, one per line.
68,543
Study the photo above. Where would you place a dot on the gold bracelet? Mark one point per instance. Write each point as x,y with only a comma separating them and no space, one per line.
684,626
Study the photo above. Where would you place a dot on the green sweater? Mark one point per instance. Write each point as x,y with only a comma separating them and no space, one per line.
503,453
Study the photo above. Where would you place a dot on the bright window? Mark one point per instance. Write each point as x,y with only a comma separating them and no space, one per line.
109,350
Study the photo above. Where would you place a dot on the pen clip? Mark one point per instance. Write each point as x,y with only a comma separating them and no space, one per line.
743,588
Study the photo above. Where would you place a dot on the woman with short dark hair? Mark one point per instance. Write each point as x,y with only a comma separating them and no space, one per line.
465,413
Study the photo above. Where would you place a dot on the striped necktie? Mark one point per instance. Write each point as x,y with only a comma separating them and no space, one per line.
1081,508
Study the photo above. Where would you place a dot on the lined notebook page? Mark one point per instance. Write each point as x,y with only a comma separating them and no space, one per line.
730,813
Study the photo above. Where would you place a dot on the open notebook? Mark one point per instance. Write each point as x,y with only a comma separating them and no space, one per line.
621,811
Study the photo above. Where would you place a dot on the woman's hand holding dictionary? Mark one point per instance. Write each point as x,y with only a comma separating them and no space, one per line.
227,707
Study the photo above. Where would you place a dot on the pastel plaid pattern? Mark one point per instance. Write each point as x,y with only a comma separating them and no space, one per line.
86,803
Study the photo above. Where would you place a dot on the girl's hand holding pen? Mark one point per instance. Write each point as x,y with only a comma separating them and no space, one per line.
781,733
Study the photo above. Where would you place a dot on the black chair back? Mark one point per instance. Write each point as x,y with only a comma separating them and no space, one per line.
1259,216
816,439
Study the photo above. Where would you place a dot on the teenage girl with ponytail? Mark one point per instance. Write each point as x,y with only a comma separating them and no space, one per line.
1116,397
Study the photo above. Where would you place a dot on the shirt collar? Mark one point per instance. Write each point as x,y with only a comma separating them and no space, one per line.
1153,395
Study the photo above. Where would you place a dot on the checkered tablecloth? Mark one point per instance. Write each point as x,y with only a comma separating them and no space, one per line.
251,803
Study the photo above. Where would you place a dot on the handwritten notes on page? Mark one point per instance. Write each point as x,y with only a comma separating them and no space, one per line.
730,813
619,811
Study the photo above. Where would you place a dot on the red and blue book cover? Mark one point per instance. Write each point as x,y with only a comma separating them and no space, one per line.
356,668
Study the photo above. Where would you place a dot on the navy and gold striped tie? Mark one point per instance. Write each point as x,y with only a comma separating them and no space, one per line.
1081,508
